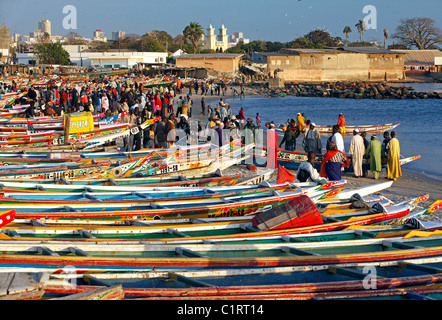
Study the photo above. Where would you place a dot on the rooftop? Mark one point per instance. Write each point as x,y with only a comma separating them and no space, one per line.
210,56
421,55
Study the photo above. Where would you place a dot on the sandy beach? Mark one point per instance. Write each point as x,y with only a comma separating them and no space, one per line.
410,185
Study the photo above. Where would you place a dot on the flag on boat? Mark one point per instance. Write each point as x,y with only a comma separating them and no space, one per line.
30,126
284,175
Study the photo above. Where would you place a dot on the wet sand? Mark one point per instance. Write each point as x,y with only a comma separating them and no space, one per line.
409,186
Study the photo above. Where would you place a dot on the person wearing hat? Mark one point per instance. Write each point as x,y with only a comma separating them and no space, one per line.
357,151
300,122
312,140
341,124
374,150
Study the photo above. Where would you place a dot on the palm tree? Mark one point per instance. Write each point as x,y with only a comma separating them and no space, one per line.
362,27
385,36
193,33
347,30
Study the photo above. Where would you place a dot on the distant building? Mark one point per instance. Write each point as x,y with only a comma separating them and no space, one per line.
99,35
221,62
118,35
420,62
45,26
4,42
215,42
108,60
336,64
236,38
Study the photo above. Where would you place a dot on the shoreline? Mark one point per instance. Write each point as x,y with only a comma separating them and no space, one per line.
410,185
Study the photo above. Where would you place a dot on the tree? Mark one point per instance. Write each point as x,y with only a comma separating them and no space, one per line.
301,43
421,33
347,30
362,27
148,44
73,38
385,36
321,38
51,53
255,46
193,33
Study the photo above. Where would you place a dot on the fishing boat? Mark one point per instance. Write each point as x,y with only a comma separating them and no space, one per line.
350,281
216,231
209,180
275,256
362,128
233,206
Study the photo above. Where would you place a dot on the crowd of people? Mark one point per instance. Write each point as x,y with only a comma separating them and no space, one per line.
335,158
106,97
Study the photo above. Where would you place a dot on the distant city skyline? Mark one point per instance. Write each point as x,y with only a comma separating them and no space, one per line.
278,20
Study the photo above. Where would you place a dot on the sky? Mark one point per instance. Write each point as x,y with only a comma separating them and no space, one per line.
275,20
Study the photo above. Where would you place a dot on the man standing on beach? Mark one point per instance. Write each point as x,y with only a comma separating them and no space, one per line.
312,140
357,150
394,154
300,122
203,107
374,150
290,135
241,118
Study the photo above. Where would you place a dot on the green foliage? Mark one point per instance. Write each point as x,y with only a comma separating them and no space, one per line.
207,51
321,38
51,53
192,34
362,44
301,43
235,50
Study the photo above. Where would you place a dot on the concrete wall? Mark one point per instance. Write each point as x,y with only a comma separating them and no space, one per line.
337,67
224,65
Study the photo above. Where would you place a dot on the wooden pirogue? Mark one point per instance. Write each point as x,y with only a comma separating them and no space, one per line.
217,231
407,279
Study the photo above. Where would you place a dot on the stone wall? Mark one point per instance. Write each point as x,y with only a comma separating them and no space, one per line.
224,65
317,67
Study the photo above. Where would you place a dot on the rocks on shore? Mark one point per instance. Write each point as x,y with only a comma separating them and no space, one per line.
355,90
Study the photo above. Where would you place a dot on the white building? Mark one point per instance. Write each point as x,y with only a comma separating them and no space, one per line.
99,35
118,35
45,26
237,37
103,59
215,42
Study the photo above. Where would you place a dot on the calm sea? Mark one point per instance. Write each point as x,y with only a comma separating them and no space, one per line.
419,132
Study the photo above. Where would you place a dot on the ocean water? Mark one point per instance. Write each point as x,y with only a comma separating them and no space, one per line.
419,132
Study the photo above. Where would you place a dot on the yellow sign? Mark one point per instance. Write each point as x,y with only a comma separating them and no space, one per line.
79,122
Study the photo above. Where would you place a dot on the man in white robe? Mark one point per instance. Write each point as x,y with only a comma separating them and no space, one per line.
357,151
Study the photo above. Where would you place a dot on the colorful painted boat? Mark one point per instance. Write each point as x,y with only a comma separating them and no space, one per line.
229,232
300,283
212,208
209,180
